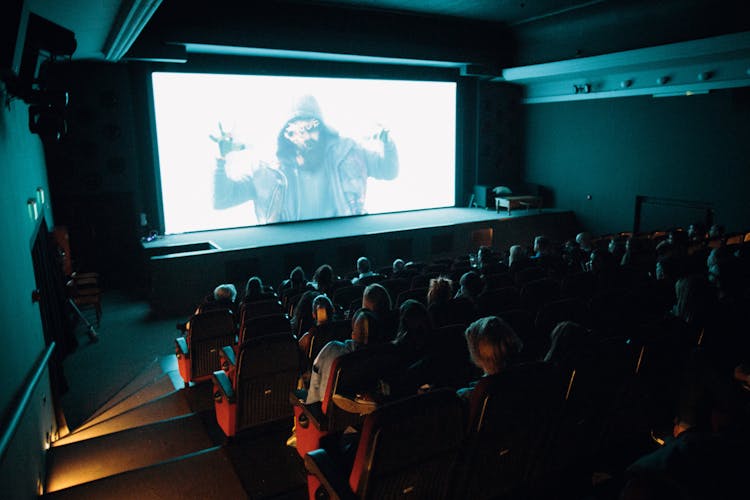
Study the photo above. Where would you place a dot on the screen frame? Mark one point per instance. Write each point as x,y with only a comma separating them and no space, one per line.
299,68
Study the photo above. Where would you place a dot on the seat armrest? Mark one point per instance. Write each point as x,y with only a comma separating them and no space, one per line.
297,397
330,475
221,380
314,413
227,357
182,346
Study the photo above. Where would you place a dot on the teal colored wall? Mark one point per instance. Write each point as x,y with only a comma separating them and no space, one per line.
23,170
692,148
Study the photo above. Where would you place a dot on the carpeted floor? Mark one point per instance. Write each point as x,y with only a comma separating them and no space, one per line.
132,343
129,341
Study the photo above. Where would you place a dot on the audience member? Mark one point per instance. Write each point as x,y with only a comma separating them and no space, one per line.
296,280
575,258
254,290
414,328
566,337
585,241
224,296
397,268
319,334
301,319
637,255
470,285
363,270
439,292
696,232
377,299
517,259
493,345
364,330
617,247
323,280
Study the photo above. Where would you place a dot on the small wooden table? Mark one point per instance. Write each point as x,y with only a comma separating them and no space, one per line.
511,202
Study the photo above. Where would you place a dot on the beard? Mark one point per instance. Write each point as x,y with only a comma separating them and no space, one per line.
311,156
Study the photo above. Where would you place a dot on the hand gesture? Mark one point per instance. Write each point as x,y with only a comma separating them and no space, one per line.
226,142
382,134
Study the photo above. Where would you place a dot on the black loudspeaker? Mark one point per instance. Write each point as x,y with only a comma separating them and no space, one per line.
483,196
498,128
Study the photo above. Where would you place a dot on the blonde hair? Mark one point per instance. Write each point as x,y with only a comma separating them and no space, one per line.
492,344
439,290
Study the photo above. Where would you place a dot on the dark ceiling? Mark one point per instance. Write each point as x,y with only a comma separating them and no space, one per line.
499,32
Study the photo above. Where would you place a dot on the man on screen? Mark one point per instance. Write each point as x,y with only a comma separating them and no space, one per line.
316,173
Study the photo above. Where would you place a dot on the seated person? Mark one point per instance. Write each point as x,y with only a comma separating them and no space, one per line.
364,330
301,319
517,259
470,285
255,291
397,268
224,296
585,242
547,256
296,279
377,299
439,292
566,337
414,329
493,345
699,460
364,270
320,333
323,280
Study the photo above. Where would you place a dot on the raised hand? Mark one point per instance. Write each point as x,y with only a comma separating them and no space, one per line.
226,142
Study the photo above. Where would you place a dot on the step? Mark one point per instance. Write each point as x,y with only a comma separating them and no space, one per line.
151,373
205,474
154,390
131,449
168,406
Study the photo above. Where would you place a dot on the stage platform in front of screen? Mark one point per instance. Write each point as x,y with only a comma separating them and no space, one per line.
184,267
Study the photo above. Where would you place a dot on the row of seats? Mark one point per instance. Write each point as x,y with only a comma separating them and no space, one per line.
522,428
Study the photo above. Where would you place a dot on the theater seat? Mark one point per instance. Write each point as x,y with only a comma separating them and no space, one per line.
407,449
255,389
264,325
512,416
351,374
198,350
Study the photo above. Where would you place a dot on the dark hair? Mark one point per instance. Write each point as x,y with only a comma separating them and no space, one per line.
302,318
363,265
297,276
567,336
253,287
379,297
471,284
286,152
323,277
413,325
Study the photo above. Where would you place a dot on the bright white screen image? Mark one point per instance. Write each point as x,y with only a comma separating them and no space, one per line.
243,150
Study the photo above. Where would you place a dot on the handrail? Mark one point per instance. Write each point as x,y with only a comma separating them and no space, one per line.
23,402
